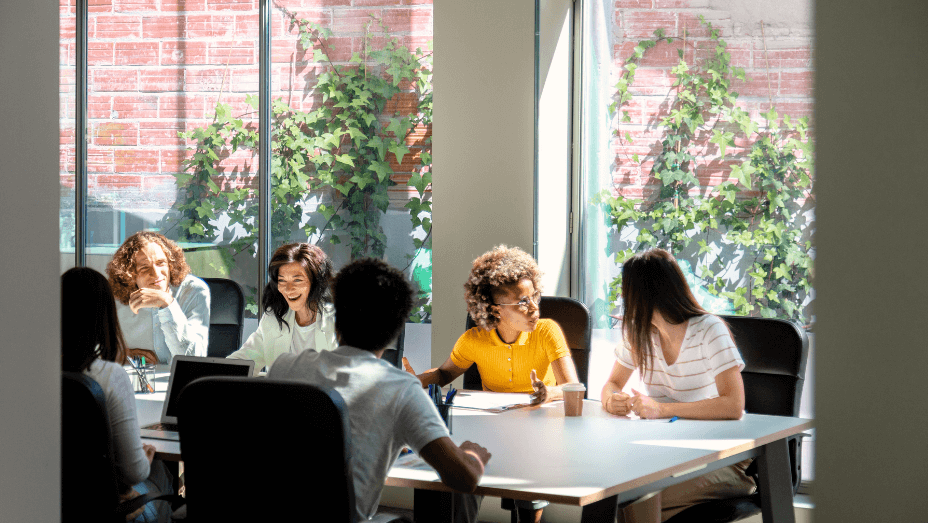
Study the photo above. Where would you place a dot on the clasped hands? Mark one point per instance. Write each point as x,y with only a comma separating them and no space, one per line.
146,297
621,404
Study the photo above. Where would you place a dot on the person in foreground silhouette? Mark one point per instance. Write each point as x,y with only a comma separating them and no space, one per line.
387,407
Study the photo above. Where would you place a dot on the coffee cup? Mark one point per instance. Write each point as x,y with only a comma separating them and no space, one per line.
573,398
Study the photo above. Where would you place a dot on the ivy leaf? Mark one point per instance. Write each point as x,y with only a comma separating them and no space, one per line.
400,150
381,169
345,159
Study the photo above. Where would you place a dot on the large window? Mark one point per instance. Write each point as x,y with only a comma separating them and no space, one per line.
696,137
172,132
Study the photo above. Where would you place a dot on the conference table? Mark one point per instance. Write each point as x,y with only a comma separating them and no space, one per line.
597,461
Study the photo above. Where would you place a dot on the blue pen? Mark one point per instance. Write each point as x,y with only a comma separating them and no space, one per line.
450,395
673,419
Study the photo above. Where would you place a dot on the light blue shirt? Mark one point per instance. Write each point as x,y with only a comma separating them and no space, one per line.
180,328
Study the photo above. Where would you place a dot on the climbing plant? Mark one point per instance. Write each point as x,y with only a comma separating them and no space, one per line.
339,151
755,215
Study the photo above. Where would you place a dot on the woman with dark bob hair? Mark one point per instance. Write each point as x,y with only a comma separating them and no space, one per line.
690,368
297,305
92,344
163,309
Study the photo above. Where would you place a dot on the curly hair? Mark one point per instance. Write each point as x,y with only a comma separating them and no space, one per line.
122,271
372,302
494,269
318,268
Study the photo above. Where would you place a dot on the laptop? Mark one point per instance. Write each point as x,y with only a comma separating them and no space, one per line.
185,369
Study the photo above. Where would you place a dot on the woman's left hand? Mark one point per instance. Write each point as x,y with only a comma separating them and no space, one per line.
644,406
541,391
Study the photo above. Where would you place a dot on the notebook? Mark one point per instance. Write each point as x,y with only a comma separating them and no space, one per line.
185,369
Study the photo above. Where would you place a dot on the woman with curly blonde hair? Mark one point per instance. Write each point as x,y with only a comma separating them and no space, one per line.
162,308
514,350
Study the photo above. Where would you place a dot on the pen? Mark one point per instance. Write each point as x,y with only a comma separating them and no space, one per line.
450,397
673,419
142,380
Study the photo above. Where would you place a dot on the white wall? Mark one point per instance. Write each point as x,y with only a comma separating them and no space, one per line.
872,243
29,307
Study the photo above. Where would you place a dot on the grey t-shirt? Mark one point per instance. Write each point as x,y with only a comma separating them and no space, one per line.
387,409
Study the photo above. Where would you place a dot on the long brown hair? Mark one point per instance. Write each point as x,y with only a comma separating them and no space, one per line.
653,282
89,325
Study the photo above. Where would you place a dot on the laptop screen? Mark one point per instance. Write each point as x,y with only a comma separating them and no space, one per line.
187,369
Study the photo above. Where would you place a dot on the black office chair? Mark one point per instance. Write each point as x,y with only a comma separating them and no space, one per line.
774,353
247,439
574,319
226,316
394,353
89,487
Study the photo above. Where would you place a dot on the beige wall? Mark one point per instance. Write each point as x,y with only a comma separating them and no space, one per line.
872,244
29,304
483,145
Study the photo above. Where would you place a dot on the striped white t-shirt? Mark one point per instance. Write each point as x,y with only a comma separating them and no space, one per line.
707,350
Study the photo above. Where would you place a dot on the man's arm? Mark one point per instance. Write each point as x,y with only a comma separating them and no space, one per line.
459,467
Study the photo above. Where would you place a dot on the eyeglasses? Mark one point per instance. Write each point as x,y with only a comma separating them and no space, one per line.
526,303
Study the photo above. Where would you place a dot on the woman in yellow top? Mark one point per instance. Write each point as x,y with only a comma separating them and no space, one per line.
515,350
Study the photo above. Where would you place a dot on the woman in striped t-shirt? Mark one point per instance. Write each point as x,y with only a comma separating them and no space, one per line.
689,365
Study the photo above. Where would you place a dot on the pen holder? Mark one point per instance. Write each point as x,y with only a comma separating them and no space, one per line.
144,378
444,411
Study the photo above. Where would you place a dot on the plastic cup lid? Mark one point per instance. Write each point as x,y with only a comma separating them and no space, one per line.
573,387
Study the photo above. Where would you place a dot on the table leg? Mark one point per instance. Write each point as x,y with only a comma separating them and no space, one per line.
430,505
775,483
602,511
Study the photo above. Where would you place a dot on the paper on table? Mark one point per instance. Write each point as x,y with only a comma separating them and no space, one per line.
413,461
491,401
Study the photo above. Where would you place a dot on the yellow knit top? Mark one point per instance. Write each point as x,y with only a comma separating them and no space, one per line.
507,368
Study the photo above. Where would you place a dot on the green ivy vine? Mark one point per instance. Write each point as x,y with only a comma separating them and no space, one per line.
341,148
756,216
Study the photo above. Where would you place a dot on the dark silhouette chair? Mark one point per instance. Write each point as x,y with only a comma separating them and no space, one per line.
89,486
574,319
774,353
226,316
285,481
394,353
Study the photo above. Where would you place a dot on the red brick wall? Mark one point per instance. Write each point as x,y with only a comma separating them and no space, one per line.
782,74
159,67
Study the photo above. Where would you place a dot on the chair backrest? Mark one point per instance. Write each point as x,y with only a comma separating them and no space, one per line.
774,353
284,445
89,489
226,316
394,353
574,319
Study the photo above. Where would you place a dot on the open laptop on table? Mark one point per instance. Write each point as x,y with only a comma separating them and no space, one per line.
185,369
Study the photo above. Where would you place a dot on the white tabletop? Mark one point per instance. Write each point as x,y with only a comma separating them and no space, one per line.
538,453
